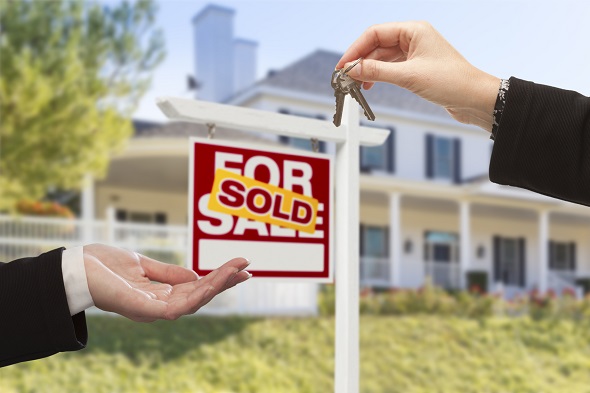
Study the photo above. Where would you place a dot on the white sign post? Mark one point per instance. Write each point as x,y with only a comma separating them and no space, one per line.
348,137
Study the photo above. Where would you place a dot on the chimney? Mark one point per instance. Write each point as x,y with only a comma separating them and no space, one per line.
223,64
244,63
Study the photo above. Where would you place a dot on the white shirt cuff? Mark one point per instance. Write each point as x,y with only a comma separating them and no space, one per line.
75,282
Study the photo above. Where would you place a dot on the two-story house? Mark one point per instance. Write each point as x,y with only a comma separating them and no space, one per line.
428,182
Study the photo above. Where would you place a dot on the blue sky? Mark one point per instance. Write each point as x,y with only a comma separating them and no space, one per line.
544,41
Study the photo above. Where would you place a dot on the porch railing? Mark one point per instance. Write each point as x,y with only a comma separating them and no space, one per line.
375,272
443,274
560,280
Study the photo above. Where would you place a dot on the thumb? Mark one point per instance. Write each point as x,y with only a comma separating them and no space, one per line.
369,70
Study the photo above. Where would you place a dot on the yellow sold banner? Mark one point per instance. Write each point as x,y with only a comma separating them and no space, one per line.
245,197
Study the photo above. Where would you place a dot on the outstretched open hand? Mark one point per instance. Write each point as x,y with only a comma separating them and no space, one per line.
144,290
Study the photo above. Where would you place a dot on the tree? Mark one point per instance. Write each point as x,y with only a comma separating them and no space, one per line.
71,75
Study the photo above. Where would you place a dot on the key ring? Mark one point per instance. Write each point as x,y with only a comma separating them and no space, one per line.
350,67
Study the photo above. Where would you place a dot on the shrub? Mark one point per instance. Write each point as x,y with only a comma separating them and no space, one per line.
466,304
46,209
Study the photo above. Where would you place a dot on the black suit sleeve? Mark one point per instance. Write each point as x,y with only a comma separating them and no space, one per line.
35,319
543,142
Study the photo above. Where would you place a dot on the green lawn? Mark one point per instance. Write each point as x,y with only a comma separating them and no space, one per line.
398,354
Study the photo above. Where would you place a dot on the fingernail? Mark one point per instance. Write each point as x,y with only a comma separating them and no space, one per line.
249,275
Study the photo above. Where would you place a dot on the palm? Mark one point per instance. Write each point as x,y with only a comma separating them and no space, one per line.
144,289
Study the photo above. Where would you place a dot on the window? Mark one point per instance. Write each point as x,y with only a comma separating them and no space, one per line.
443,158
509,261
379,158
301,143
140,217
441,259
562,256
374,241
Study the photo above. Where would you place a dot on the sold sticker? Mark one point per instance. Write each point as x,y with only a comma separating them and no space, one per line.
245,197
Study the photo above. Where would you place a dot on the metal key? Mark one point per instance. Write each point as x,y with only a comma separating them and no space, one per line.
352,87
344,84
355,92
339,94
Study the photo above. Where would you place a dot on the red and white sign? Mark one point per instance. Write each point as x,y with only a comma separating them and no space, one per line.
272,206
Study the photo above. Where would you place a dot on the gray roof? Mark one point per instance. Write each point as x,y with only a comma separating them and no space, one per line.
312,75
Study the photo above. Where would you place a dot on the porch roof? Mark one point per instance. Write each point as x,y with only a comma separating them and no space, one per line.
481,191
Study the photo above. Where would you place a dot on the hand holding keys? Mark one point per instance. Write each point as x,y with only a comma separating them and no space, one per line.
343,85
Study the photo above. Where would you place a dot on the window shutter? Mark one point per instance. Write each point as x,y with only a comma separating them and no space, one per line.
362,239
391,151
572,249
497,277
426,247
522,261
551,254
386,242
429,156
457,160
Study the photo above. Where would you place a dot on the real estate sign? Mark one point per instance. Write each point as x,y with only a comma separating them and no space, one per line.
270,205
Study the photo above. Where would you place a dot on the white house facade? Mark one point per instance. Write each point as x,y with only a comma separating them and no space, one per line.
428,210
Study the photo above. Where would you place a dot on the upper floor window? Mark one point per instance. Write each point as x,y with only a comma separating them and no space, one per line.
443,158
301,143
379,158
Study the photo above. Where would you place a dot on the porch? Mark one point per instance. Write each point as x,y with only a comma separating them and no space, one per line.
412,232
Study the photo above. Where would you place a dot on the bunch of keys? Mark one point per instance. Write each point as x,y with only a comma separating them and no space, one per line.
343,85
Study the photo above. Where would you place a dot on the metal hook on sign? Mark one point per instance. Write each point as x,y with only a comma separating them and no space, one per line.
211,132
315,145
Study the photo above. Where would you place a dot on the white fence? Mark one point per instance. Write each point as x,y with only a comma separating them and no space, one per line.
22,236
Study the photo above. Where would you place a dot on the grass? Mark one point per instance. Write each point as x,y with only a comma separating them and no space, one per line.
409,354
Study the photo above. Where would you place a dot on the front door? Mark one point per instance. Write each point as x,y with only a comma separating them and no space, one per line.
441,259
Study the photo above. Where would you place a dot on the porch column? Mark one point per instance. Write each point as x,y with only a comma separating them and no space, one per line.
465,241
543,253
395,246
87,208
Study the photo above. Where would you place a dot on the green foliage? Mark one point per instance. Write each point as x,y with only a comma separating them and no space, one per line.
72,72
431,300
426,300
409,354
